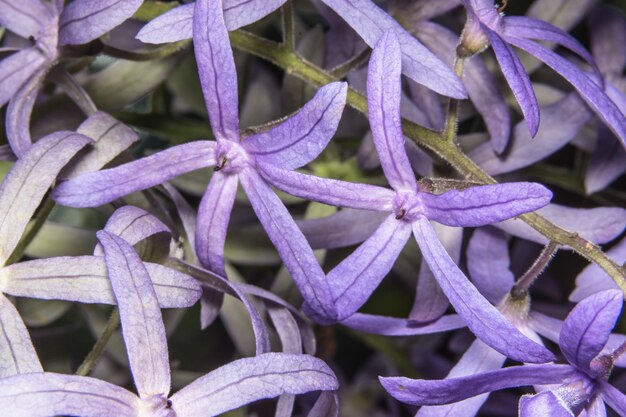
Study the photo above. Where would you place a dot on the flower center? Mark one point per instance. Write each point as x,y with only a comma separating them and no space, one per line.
230,157
156,406
407,206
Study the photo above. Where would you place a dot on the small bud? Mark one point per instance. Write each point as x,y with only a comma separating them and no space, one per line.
473,39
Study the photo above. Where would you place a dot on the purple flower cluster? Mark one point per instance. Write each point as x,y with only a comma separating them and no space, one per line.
162,225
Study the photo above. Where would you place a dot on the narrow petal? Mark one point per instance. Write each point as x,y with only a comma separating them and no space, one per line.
140,316
392,326
16,69
327,405
250,379
85,20
28,181
445,391
325,190
562,13
45,394
84,279
596,408
290,243
608,39
614,398
482,318
24,18
488,263
486,204
213,217
587,328
543,404
17,354
383,101
607,162
357,276
371,22
426,10
216,68
97,188
176,24
303,136
593,95
517,79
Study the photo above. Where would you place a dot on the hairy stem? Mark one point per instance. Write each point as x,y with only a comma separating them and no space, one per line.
114,321
30,234
520,289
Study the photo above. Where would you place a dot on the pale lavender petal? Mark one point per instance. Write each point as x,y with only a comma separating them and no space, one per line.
111,138
426,10
84,279
392,326
328,191
598,225
546,326
593,279
85,20
477,359
176,24
560,123
430,301
216,68
28,181
250,379
303,136
186,213
16,69
562,13
596,408
418,62
327,405
543,404
140,316
17,354
593,95
212,223
295,252
517,79
24,17
481,317
357,276
587,328
383,101
486,204
608,39
488,263
445,391
614,398
344,228
607,162
45,394
97,188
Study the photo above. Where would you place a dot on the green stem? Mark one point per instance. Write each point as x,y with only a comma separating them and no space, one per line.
520,289
28,237
90,361
157,53
289,34
453,107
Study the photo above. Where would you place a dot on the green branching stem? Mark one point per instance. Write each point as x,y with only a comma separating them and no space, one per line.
449,133
32,231
292,64
148,55
521,287
90,361
289,33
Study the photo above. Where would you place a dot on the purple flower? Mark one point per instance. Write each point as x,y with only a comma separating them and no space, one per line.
583,382
355,278
485,25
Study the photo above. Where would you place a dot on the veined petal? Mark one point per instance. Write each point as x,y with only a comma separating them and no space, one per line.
290,243
614,398
16,69
216,68
85,20
28,181
392,326
445,391
344,228
328,191
44,394
543,404
246,380
101,187
303,136
608,39
213,217
25,18
383,102
175,25
84,279
593,95
588,326
486,204
517,79
17,354
370,22
483,319
357,276
140,316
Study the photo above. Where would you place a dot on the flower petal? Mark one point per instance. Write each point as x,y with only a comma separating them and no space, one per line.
28,181
85,20
303,136
97,188
614,398
17,354
16,69
482,318
216,68
25,18
608,39
392,326
588,326
246,380
607,162
542,404
140,316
